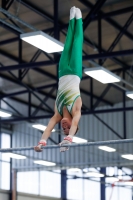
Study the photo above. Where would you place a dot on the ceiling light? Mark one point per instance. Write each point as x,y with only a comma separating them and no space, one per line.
106,148
129,94
43,41
85,170
5,114
42,162
101,74
127,156
129,183
78,140
112,179
40,127
95,174
74,170
15,156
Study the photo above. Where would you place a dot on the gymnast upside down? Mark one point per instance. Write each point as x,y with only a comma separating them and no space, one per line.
68,101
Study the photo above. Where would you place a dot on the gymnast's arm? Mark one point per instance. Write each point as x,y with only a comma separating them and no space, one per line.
76,114
46,134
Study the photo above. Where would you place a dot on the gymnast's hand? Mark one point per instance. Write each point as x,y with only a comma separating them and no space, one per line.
67,140
38,148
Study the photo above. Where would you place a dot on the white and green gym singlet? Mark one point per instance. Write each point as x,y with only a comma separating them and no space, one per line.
68,92
70,67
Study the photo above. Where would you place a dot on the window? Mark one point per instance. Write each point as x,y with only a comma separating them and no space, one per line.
28,182
79,188
50,181
120,190
39,183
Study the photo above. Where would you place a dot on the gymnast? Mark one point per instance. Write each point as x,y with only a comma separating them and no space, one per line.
68,101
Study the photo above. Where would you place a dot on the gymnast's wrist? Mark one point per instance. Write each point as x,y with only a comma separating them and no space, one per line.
42,142
69,138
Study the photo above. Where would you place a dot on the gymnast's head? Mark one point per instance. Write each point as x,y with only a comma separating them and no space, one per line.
66,125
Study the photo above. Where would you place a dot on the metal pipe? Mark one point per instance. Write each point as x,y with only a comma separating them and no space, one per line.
17,19
125,82
11,26
71,145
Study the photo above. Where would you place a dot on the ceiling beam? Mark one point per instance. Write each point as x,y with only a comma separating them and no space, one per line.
114,13
109,20
95,9
83,113
48,63
8,78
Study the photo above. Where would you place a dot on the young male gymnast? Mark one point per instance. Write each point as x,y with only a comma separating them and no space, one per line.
68,101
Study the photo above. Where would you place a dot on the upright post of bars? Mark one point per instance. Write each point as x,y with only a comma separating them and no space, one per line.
102,186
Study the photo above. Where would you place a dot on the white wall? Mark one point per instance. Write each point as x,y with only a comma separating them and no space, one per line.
4,195
22,196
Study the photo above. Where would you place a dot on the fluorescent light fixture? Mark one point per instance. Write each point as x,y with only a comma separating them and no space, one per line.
112,179
74,170
106,148
42,162
130,183
43,41
78,140
129,94
40,127
15,156
101,74
127,156
85,170
5,114
95,174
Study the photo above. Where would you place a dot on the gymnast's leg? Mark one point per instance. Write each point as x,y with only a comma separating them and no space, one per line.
76,54
64,67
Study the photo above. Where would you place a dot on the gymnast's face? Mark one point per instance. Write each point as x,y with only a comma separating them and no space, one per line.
66,125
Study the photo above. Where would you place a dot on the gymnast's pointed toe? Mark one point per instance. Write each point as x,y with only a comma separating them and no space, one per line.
78,13
72,12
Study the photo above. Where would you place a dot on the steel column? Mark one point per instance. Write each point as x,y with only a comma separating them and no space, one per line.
99,36
29,104
124,113
63,184
102,186
91,93
20,57
10,195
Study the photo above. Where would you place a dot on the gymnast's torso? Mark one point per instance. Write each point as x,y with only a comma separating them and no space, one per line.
68,92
